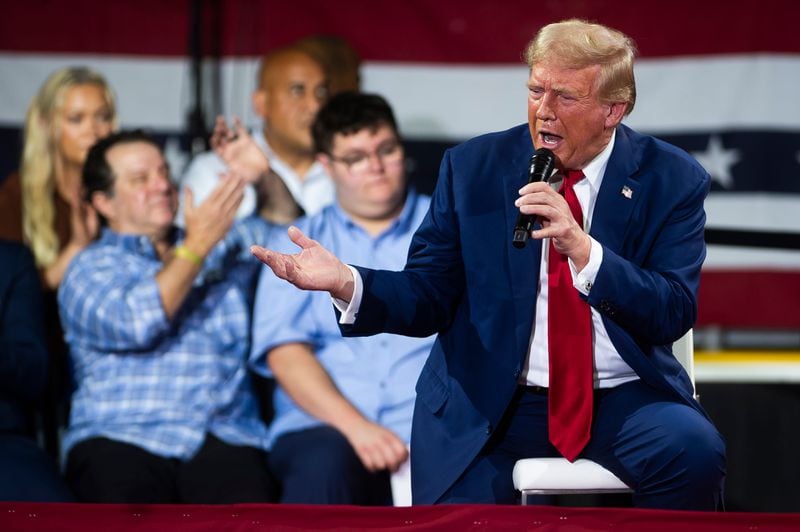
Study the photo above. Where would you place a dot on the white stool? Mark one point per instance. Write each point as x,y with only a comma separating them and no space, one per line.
559,476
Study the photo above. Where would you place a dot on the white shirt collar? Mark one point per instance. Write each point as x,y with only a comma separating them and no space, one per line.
596,169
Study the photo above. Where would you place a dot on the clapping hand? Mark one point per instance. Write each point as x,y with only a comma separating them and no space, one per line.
208,222
237,148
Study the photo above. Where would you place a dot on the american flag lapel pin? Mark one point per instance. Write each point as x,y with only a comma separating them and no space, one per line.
627,192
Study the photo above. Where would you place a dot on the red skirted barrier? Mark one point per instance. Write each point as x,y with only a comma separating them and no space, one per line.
123,517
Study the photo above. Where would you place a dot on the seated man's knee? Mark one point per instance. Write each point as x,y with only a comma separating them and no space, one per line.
103,470
703,453
323,450
686,466
319,466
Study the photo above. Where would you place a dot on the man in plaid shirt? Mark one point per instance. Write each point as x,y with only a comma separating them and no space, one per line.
157,321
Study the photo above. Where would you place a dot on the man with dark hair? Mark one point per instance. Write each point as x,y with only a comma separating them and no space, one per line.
343,406
563,346
157,320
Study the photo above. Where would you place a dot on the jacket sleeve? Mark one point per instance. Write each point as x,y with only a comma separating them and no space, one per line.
23,355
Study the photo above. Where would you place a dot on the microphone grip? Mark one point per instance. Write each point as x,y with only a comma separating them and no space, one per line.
522,230
541,166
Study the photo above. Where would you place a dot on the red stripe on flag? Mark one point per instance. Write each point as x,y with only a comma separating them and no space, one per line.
450,31
749,299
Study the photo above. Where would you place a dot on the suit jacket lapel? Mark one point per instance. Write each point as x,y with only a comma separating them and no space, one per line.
618,195
523,263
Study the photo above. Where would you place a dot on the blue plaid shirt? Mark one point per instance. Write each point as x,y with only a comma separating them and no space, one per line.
152,382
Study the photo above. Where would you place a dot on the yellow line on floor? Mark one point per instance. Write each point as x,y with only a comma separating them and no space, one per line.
747,357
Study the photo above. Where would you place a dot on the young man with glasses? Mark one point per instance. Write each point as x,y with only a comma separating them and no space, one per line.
343,406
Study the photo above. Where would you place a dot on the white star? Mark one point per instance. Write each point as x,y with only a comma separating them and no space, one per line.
718,161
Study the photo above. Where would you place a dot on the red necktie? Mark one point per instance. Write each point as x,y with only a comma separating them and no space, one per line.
569,329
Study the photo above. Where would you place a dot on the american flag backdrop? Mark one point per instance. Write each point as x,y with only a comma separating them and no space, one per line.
721,79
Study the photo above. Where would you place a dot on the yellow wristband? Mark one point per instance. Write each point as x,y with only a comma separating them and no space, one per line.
187,254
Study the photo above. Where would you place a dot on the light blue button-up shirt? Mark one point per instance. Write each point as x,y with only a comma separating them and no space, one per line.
377,374
152,382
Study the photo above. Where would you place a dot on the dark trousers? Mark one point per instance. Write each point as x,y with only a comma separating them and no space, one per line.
105,470
319,466
670,454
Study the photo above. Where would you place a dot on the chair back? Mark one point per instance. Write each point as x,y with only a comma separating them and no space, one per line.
683,349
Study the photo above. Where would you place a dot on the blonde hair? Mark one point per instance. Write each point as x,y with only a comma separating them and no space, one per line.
579,44
37,170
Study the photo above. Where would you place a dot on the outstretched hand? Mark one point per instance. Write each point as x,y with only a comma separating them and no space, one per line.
313,268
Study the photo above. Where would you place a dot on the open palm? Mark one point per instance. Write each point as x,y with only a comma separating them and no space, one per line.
313,268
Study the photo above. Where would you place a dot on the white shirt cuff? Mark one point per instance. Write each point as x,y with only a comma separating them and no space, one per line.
584,280
350,310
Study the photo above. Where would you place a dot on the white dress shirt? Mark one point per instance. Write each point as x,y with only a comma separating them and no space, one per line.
609,368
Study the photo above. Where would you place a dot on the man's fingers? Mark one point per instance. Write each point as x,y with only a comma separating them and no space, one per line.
398,453
238,129
220,133
188,201
299,238
280,264
366,459
234,194
263,254
230,184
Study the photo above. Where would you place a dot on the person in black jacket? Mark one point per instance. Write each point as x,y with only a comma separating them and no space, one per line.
28,473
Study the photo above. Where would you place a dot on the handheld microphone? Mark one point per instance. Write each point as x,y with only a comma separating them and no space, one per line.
541,166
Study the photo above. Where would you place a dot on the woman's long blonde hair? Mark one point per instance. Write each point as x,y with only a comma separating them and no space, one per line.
39,156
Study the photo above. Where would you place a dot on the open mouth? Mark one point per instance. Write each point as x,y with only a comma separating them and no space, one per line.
549,140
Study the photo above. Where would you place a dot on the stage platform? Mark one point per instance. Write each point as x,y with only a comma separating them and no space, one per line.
271,517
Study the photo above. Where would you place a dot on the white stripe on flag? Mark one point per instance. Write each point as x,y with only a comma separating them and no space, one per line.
447,102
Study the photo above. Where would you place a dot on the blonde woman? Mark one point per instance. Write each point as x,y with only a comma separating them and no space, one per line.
42,204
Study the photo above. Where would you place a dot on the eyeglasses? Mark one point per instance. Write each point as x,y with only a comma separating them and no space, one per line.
359,163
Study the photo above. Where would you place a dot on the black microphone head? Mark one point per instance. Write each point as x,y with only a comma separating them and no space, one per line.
541,168
542,162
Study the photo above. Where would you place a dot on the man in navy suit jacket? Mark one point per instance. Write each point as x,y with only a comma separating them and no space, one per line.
482,395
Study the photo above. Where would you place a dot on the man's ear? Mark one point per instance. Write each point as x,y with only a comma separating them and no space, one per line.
103,205
616,112
325,160
260,100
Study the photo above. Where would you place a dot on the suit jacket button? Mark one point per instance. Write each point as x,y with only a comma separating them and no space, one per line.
489,428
